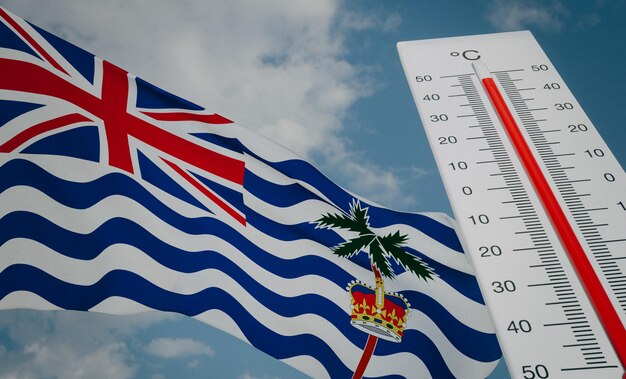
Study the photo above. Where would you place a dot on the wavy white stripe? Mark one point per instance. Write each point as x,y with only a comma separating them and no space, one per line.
128,258
454,359
131,259
89,272
30,199
286,326
87,220
310,210
80,171
26,300
264,171
468,312
404,364
214,317
116,305
430,247
303,212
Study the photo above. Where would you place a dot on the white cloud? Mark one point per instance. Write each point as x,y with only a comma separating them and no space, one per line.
363,21
169,348
50,360
108,361
277,67
522,14
71,344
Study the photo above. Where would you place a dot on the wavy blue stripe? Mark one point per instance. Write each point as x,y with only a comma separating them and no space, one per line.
86,247
125,231
463,283
131,286
289,194
380,217
118,230
84,195
284,306
305,172
421,346
80,195
473,343
28,225
294,232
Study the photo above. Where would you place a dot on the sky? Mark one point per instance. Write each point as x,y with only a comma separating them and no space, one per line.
322,78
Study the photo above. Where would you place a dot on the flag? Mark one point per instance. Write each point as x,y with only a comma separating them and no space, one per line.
119,197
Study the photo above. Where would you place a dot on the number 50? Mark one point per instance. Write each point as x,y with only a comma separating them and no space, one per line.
537,371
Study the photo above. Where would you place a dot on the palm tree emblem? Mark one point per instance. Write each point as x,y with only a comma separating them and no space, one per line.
381,250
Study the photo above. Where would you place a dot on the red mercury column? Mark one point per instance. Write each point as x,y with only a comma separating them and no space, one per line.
591,283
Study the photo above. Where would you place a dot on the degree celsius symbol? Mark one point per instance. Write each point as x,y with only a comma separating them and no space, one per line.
470,55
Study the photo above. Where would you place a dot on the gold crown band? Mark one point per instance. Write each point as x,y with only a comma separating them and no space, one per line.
380,321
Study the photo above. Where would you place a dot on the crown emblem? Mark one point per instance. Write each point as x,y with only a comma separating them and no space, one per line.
376,312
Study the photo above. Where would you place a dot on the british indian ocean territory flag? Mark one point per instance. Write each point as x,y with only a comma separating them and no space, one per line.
119,197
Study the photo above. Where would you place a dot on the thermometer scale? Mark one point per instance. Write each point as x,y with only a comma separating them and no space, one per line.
539,199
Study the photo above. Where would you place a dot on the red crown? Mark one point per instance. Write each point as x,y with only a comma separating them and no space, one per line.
377,312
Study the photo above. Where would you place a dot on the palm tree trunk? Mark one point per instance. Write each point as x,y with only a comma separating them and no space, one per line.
370,345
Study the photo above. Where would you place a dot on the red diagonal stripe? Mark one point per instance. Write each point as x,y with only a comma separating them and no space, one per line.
119,125
35,45
206,192
41,128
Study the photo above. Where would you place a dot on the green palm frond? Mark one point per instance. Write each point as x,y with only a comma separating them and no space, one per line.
409,261
360,217
332,221
394,239
377,255
353,246
379,249
357,221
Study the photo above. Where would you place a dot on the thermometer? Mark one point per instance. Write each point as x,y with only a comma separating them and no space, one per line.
539,198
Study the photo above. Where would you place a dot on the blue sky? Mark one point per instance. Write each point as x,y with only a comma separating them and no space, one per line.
324,79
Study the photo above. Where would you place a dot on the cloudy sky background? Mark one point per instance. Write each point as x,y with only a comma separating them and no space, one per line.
324,79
